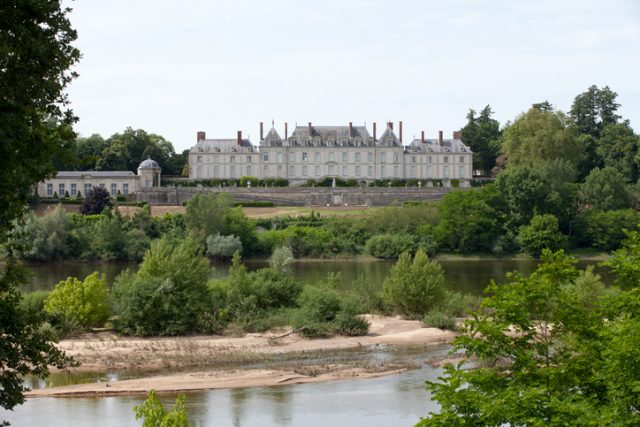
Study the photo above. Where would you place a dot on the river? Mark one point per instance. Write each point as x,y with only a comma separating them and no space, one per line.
397,400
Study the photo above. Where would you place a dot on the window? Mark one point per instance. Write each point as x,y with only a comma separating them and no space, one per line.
49,190
249,170
317,156
146,182
383,157
413,159
248,159
370,157
331,169
292,157
345,157
461,159
74,189
199,159
304,157
429,159
445,159
461,171
413,171
265,157
216,171
265,171
232,170
87,188
125,188
317,170
357,157
344,171
357,170
370,171
331,157
382,171
280,156
445,172
429,171
396,157
304,170
291,170
232,159
114,189
216,159
396,171
61,190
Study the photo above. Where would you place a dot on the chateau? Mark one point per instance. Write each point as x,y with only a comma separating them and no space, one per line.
346,152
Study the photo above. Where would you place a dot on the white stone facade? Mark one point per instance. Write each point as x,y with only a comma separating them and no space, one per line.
115,182
346,152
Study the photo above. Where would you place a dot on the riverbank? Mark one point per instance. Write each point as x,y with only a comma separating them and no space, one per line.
210,362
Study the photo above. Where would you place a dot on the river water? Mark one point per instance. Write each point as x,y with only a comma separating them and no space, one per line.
397,400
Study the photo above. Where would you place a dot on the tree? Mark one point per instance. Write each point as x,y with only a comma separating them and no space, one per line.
538,136
605,189
468,222
541,233
36,54
618,148
554,348
223,246
154,414
593,110
168,294
481,134
85,302
95,201
204,215
414,286
282,260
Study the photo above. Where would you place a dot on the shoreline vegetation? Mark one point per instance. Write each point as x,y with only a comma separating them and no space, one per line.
260,359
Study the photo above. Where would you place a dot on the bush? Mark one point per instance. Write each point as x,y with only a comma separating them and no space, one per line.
389,246
542,232
605,189
604,229
86,302
32,303
154,414
205,214
96,200
348,321
439,319
319,304
223,247
415,286
168,295
282,260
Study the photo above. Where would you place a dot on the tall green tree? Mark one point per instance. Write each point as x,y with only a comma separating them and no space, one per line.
36,53
605,189
482,135
593,110
538,136
618,149
554,348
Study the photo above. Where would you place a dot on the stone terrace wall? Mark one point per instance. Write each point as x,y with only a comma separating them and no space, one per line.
296,196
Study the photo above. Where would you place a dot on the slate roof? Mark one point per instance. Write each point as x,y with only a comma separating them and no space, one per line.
95,174
223,146
328,135
388,138
432,146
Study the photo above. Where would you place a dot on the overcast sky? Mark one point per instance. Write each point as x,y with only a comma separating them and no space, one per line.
176,67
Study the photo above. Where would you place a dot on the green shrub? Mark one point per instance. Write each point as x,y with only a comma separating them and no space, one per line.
542,232
413,287
85,302
169,292
439,319
319,304
389,246
348,322
32,303
153,413
223,247
604,229
252,179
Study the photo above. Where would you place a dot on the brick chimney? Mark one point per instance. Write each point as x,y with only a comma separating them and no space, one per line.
374,132
201,136
240,138
390,124
457,134
422,137
310,130
286,130
400,130
440,137
350,129
261,131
